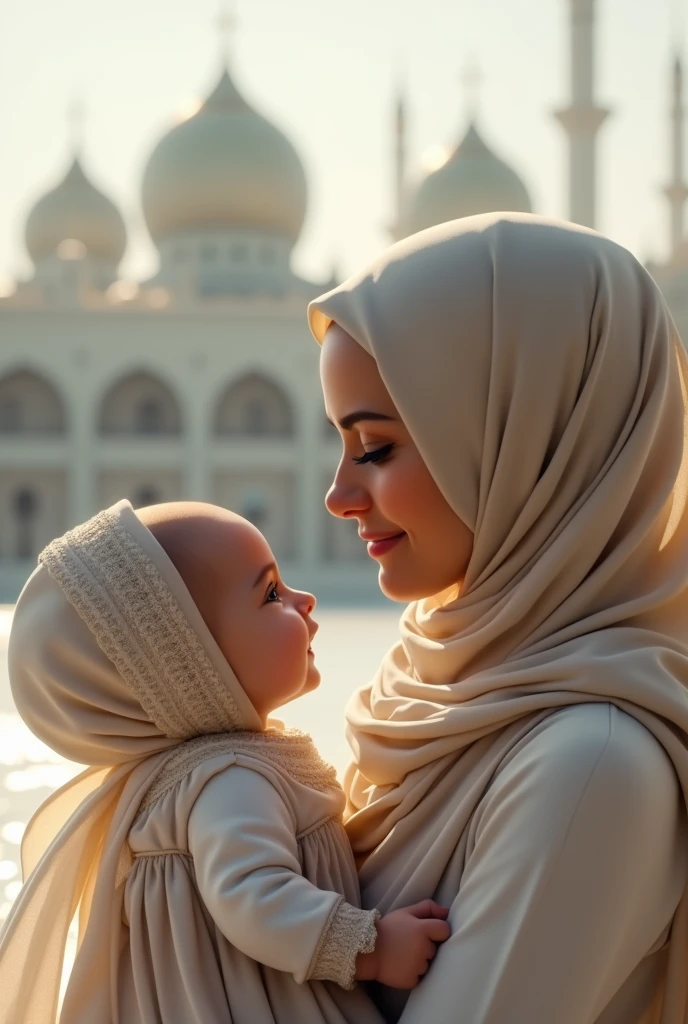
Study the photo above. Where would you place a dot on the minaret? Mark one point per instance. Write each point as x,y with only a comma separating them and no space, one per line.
676,192
582,119
399,163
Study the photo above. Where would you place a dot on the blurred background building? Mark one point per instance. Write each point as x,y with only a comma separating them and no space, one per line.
201,381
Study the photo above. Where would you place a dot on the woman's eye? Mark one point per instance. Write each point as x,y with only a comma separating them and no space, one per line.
272,594
375,456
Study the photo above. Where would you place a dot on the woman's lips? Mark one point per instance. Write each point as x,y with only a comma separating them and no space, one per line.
381,545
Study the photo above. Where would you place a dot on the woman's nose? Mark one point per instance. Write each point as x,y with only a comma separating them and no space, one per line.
346,498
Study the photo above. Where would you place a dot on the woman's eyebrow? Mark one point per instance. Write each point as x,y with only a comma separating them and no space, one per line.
352,418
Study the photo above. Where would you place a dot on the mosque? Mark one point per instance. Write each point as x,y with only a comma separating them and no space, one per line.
201,382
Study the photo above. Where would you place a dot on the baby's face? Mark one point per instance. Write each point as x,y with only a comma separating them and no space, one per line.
263,627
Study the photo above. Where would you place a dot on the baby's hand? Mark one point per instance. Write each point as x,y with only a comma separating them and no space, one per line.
405,945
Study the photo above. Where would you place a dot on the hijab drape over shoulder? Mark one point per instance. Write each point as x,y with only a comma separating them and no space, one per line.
112,665
540,375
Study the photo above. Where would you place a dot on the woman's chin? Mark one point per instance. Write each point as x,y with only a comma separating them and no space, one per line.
397,588
406,587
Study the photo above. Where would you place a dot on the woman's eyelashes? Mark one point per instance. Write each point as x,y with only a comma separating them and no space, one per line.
378,455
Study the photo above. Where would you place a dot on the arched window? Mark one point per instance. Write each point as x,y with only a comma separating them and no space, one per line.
254,507
140,404
25,509
30,405
257,418
238,252
268,499
148,418
10,414
254,407
145,495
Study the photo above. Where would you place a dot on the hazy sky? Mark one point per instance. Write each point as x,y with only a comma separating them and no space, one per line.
326,74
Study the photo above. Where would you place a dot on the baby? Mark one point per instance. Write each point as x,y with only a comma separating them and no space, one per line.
204,848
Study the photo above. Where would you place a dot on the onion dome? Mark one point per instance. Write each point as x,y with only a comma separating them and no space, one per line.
224,167
76,210
473,180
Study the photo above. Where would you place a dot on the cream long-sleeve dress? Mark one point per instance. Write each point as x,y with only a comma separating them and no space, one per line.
263,856
562,886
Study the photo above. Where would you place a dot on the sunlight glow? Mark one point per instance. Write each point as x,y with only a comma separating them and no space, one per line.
157,298
12,890
6,613
71,249
13,832
188,108
7,287
8,870
19,745
39,776
122,291
434,157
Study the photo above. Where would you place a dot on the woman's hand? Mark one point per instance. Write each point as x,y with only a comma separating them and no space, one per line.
406,944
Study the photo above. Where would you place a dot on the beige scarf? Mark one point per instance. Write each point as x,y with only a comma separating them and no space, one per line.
544,383
112,665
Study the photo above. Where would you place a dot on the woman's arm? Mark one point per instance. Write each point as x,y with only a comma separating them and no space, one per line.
578,863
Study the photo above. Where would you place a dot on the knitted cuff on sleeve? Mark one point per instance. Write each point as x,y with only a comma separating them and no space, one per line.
349,932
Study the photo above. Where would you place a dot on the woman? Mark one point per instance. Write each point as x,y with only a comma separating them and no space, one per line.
511,397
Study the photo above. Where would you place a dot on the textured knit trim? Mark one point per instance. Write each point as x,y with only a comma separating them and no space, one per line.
291,751
119,593
349,931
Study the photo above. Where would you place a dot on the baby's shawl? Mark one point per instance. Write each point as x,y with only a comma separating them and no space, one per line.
112,665
539,373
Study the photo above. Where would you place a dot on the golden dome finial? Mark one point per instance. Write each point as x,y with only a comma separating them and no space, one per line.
76,118
227,23
472,82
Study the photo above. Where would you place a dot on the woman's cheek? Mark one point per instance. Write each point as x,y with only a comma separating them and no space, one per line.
402,495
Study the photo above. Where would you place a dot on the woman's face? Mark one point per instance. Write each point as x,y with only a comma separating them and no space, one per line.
421,545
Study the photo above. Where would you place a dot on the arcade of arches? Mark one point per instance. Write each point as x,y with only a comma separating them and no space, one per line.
135,416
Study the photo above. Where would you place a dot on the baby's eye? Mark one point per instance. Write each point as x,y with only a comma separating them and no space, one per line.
272,594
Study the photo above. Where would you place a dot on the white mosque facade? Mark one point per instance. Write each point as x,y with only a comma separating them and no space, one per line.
199,383
202,382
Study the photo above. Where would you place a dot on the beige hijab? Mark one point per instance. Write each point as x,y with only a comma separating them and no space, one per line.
544,383
112,665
